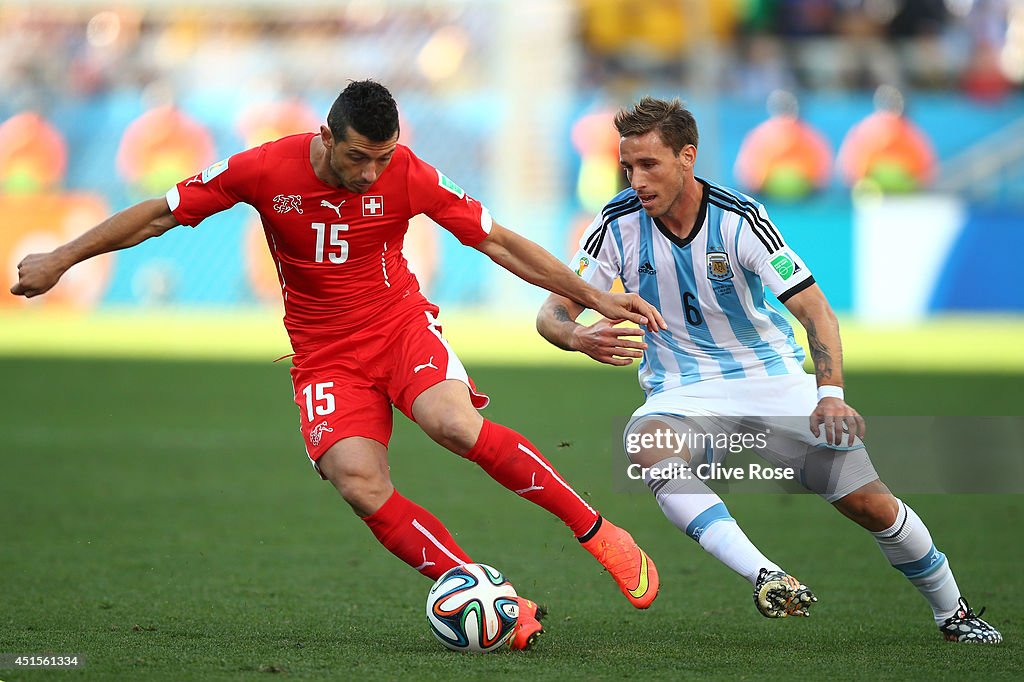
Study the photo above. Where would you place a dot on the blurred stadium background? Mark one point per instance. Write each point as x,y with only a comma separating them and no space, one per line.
886,136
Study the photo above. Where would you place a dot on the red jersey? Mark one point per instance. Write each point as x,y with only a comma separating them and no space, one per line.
338,254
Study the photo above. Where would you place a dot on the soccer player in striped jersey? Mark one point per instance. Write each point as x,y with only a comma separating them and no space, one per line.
703,254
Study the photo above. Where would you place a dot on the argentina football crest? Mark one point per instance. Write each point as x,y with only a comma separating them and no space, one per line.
719,269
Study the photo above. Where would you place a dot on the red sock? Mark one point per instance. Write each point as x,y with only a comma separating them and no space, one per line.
416,536
514,462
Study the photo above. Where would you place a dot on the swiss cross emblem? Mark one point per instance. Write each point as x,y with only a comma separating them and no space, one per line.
373,205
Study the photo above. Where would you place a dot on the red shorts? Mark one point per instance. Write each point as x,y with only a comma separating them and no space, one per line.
346,388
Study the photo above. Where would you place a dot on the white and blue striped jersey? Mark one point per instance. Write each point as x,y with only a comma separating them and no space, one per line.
709,287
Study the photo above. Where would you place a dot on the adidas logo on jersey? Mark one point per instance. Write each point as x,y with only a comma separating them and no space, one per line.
647,269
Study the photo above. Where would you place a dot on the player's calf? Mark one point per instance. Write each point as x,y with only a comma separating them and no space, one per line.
871,506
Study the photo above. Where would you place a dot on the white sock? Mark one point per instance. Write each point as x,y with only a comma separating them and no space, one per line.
728,543
697,511
908,546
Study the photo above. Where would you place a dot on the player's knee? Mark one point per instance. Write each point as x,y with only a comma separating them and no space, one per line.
446,414
364,494
456,433
362,484
874,511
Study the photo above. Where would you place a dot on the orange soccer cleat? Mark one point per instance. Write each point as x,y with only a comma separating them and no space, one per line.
632,569
528,627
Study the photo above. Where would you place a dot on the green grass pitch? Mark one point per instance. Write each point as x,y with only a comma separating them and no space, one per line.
161,519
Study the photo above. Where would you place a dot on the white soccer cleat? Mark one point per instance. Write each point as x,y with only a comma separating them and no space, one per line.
778,594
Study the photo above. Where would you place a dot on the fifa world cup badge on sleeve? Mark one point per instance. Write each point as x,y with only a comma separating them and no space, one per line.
214,170
582,265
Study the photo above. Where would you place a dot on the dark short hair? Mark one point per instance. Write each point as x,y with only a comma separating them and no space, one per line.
368,108
674,123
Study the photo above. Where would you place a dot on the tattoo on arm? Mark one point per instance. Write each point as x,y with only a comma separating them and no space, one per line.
820,354
560,334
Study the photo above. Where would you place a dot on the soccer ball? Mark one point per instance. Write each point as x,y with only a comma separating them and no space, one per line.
472,608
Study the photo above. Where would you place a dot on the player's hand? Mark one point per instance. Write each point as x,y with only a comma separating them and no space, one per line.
37,273
838,418
631,307
609,344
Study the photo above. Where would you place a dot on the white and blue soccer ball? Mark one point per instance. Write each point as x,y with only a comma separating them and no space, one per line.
472,608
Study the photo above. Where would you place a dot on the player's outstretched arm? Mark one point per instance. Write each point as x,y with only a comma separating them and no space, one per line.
813,311
531,263
39,272
602,341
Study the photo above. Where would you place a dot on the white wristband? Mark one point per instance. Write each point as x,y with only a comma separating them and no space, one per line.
830,392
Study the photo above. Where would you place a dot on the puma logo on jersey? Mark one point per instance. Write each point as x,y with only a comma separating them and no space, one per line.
428,363
197,178
288,202
318,432
337,209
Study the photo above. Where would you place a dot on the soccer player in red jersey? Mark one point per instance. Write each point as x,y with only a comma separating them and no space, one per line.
335,208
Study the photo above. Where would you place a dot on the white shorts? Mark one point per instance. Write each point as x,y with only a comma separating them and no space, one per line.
778,408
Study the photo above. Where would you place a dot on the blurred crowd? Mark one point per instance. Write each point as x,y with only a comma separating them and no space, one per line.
752,47
50,52
243,72
747,47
